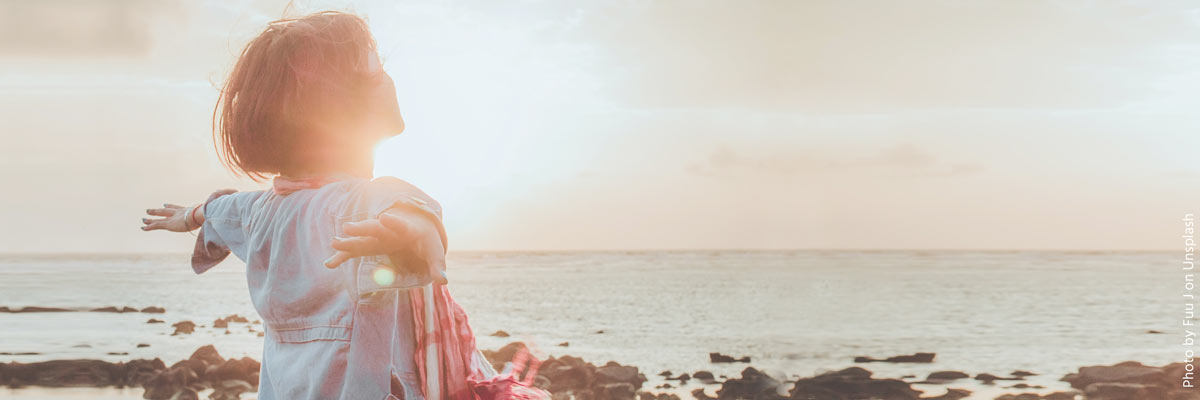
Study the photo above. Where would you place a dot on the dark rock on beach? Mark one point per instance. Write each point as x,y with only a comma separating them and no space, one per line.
568,376
154,321
989,378
154,310
946,376
66,373
205,369
912,358
34,309
721,358
1133,381
503,355
111,309
499,334
183,327
851,383
224,322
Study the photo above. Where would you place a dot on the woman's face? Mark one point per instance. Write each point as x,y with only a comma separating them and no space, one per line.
384,113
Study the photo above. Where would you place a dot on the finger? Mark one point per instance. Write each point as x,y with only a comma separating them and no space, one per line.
362,246
148,221
170,205
153,226
162,212
370,227
398,225
337,259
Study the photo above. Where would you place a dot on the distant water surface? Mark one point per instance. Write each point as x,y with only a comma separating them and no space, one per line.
793,312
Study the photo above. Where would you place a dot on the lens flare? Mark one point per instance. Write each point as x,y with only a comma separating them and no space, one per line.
384,276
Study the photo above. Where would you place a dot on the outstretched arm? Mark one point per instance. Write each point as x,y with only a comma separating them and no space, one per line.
409,237
176,218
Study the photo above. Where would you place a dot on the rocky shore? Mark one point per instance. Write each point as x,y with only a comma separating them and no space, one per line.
567,377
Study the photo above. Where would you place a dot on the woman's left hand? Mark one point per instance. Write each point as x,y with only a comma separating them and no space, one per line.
410,239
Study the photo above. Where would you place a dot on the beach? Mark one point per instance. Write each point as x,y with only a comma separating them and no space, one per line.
795,314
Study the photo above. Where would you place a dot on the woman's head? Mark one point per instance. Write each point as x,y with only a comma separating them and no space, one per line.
308,95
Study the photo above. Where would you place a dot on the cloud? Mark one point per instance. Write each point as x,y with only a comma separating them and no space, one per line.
901,160
80,28
843,57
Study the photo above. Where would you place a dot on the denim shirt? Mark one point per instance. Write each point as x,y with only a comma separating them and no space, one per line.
343,333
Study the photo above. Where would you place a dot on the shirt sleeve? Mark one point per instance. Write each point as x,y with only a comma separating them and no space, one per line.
384,193
221,232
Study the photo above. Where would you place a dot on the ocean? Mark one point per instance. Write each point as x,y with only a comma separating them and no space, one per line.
794,313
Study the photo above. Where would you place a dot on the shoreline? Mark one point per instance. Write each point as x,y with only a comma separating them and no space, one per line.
206,374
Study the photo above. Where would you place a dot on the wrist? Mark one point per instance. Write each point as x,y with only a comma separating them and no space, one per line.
191,221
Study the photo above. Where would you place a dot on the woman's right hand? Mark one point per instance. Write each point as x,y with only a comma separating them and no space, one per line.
174,219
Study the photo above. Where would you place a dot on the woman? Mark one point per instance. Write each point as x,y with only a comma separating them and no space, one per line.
331,254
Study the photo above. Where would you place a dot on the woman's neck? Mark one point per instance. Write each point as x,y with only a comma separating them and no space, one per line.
362,166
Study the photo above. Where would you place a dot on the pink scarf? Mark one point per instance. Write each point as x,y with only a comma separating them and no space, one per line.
462,369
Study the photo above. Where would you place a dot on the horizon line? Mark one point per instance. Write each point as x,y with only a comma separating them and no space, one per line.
681,250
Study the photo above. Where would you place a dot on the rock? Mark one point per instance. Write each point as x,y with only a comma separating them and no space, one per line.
184,327
503,355
36,309
721,358
118,353
564,344
567,374
665,373
165,385
600,331
946,376
852,383
1124,391
989,378
752,385
1120,373
1154,332
499,334
260,334
682,378
224,321
1022,396
658,396
76,372
111,309
154,321
705,376
699,394
154,310
952,394
230,390
208,354
141,345
616,391
245,369
187,393
617,373
1022,373
913,358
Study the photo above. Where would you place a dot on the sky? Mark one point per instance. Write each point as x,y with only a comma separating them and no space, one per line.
599,125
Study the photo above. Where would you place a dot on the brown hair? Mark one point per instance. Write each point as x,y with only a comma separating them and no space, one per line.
286,85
